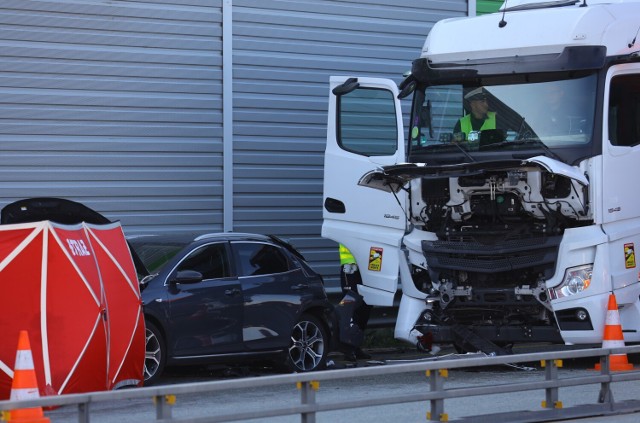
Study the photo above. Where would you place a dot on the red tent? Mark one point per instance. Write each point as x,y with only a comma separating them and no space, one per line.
74,289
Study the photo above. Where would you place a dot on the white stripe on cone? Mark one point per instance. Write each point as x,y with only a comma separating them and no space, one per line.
612,344
23,394
24,360
613,318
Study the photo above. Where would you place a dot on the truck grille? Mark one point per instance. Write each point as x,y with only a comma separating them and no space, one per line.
508,255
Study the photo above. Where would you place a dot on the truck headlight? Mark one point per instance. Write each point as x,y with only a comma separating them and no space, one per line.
576,280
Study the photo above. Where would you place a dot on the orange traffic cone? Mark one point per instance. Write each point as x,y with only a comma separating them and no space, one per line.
613,338
25,385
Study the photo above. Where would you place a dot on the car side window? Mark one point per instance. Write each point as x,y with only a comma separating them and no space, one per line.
256,258
211,260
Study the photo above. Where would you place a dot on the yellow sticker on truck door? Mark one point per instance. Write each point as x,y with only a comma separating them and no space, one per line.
375,259
629,256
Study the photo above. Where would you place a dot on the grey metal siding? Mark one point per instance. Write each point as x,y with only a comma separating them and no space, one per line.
284,53
116,105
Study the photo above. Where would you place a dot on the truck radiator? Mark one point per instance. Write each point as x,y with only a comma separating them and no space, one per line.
508,255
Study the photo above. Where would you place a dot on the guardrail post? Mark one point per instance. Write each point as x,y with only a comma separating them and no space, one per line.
605,395
307,397
551,373
83,412
163,406
436,384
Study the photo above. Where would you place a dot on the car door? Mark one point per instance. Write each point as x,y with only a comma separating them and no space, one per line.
206,315
273,290
364,133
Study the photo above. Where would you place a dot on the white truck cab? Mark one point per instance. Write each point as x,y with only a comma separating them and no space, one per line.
513,224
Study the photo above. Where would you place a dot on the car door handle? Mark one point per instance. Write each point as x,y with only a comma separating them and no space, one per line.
299,287
232,292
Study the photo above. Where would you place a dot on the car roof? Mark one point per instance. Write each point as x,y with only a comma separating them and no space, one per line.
188,237
185,239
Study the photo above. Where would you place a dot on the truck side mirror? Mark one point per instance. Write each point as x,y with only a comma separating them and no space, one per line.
346,87
407,87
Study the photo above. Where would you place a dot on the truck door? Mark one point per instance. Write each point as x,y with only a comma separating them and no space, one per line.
621,154
620,174
365,132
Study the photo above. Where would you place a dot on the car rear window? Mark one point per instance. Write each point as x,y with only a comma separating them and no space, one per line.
155,255
256,258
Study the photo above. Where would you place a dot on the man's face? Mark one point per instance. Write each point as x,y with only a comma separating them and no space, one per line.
479,107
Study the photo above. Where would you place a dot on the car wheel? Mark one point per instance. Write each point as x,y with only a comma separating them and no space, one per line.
309,345
155,355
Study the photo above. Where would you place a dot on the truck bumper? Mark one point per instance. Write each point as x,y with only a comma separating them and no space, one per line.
499,335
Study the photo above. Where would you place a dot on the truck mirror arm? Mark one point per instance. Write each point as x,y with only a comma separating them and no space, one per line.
346,87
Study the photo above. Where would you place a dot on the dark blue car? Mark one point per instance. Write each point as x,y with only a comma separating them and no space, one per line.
230,297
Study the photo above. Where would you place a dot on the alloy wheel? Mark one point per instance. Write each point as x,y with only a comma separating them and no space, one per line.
307,351
152,356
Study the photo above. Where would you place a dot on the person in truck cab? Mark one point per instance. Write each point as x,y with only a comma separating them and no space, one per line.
478,119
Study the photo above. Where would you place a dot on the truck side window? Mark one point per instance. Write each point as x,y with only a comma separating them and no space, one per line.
367,122
624,110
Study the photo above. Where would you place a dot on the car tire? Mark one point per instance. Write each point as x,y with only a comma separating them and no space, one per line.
309,345
155,355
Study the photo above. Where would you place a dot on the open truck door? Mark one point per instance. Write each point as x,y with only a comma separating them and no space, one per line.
364,133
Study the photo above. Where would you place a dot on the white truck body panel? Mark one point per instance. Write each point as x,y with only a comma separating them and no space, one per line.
537,31
518,233
369,224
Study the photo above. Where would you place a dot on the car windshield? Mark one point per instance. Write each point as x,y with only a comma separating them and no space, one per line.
156,252
545,115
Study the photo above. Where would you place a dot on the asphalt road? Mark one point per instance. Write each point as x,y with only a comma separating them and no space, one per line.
362,388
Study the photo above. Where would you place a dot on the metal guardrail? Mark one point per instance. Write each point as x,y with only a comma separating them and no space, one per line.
164,396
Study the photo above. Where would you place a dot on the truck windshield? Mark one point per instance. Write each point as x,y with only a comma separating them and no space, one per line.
547,116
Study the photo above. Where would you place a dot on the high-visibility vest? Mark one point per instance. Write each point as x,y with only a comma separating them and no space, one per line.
489,123
345,255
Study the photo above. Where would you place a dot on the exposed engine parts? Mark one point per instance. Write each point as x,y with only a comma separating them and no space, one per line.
521,201
498,234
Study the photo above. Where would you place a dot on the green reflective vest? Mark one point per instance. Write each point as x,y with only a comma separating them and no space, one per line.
489,123
345,255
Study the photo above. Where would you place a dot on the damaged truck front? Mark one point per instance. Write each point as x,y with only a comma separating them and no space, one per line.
511,225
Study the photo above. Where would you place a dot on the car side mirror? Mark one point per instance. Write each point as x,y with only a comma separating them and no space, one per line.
187,276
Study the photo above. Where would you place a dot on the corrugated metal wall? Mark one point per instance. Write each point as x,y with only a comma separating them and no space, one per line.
115,104
284,53
118,105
